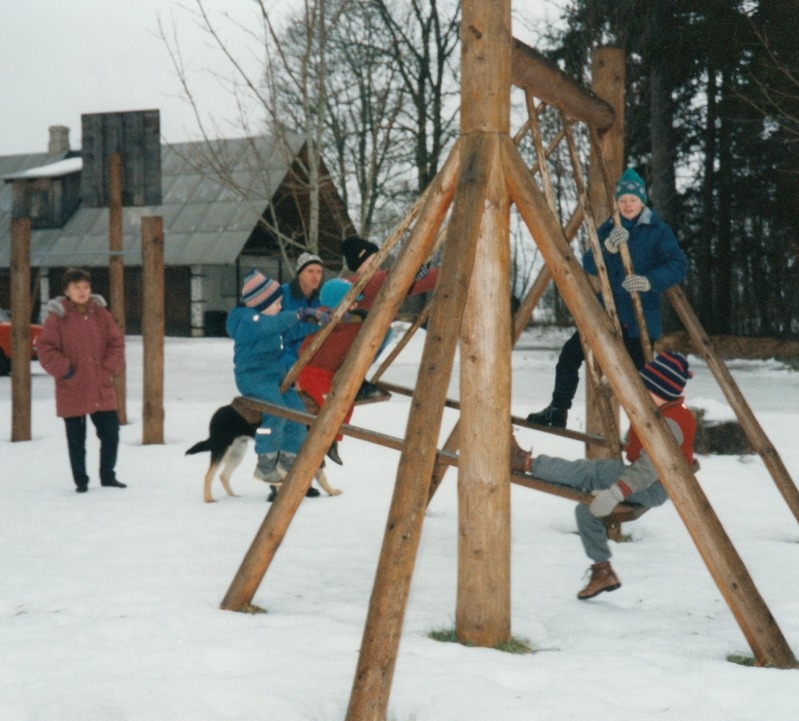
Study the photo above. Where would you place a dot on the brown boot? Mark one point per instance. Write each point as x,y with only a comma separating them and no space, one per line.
521,461
602,579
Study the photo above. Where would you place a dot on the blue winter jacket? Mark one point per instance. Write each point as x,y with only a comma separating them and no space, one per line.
293,299
655,254
257,347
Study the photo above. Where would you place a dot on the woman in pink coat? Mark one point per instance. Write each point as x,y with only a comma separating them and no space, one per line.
82,348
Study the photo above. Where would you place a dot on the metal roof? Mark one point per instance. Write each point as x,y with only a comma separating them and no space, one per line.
213,194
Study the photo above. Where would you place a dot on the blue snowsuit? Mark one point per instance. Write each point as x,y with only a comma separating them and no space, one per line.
259,373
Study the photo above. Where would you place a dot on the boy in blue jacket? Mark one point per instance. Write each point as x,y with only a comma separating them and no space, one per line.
256,326
659,263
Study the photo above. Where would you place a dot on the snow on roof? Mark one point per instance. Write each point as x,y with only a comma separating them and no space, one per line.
53,170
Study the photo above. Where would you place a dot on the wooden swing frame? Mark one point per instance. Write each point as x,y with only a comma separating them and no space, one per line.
482,177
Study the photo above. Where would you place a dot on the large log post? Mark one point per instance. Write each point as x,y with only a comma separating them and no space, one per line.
607,82
482,615
20,329
720,557
116,270
372,684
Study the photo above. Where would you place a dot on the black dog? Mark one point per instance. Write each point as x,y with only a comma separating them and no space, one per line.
228,434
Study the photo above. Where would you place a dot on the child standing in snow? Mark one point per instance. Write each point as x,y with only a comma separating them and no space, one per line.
256,326
82,348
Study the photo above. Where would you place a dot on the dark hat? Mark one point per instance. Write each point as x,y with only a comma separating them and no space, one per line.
333,292
666,375
305,260
631,183
356,250
260,291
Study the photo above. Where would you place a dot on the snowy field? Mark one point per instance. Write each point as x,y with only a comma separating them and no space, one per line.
109,602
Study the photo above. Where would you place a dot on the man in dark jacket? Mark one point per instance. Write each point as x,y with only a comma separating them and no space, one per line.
82,348
659,263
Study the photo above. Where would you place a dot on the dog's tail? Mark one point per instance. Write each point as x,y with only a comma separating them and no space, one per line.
200,447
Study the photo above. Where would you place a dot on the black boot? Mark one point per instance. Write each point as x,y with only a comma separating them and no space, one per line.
369,393
332,454
550,416
113,483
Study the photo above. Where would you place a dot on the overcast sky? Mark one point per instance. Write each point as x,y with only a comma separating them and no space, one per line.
63,58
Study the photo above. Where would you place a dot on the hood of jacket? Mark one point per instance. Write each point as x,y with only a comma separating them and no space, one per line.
61,305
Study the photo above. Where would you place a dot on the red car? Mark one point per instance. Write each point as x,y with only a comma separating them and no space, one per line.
5,342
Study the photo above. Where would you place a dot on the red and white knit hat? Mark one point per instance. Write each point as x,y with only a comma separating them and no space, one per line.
666,375
260,291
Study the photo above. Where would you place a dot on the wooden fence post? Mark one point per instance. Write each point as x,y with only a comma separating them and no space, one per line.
20,329
116,270
152,250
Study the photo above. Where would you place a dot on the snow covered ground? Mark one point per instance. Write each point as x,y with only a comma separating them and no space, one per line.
109,602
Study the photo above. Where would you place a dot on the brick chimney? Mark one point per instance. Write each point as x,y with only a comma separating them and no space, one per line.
59,140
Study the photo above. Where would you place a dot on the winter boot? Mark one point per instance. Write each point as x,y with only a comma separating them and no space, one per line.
284,462
550,416
332,454
267,469
602,579
521,461
273,490
369,393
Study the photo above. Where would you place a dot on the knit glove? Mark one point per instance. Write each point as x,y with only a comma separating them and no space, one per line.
605,501
636,284
317,316
421,273
617,236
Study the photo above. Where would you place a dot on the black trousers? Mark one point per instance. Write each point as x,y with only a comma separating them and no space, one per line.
567,370
106,424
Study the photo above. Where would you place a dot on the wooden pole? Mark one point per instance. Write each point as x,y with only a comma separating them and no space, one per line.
379,647
20,329
482,614
342,392
607,82
152,251
116,270
754,431
725,566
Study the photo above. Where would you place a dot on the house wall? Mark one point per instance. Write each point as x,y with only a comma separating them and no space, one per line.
177,280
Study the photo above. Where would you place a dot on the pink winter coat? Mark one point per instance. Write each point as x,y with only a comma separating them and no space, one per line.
89,344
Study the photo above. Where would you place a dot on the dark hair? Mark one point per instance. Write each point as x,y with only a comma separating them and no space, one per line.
75,275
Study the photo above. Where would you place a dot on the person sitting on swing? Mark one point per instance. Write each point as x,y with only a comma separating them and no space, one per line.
613,481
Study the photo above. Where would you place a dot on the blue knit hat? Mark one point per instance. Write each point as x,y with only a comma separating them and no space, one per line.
666,375
334,291
260,291
631,183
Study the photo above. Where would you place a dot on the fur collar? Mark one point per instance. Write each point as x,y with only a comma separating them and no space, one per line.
61,304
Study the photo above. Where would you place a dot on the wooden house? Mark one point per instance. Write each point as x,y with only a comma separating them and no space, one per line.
222,203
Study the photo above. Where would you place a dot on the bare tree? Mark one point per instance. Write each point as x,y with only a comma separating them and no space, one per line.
302,66
424,36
